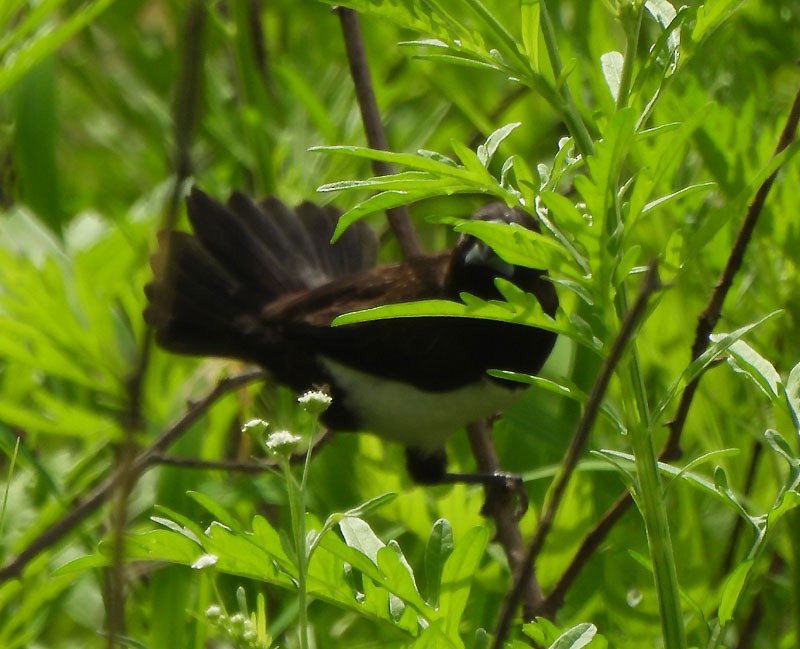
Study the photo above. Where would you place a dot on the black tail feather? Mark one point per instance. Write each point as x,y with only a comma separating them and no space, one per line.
210,288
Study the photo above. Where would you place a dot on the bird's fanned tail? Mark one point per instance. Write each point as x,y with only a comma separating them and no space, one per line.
210,287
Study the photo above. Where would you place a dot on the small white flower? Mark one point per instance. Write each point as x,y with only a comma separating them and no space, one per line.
315,401
256,426
282,442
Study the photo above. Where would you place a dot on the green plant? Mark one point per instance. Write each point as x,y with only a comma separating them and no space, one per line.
633,131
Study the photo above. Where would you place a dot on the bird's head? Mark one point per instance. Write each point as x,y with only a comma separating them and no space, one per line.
474,265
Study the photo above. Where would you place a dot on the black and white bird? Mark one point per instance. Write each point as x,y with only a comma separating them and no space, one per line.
261,282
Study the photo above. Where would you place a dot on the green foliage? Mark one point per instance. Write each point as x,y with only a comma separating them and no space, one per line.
629,130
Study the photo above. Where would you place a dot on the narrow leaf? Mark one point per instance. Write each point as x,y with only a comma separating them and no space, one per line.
746,360
437,551
487,150
734,585
611,63
576,638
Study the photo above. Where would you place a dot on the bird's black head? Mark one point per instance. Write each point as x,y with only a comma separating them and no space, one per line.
474,265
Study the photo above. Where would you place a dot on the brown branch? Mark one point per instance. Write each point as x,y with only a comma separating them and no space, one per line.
399,219
708,318
711,314
146,458
502,508
650,284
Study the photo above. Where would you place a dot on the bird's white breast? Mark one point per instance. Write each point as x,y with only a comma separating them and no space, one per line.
402,413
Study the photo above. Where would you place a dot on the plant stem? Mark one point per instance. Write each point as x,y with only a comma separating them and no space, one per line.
654,513
649,491
297,508
575,124
631,18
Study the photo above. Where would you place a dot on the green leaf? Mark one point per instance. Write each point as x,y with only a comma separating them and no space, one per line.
721,484
787,501
479,175
626,264
215,509
677,195
513,243
793,395
528,313
359,536
611,64
732,590
487,150
576,638
529,21
779,444
457,576
31,44
401,578
411,160
711,15
746,360
722,343
604,166
437,551
383,201
625,462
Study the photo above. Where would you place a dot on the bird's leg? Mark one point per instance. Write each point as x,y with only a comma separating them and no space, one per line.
431,469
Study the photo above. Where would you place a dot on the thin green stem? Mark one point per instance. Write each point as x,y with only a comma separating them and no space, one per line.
651,503
649,491
297,508
500,31
575,123
631,18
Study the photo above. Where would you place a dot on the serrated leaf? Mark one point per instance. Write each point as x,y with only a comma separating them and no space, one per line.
463,60
711,15
529,314
514,244
411,160
379,202
478,173
398,181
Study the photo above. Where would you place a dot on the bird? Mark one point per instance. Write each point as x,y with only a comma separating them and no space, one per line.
260,282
